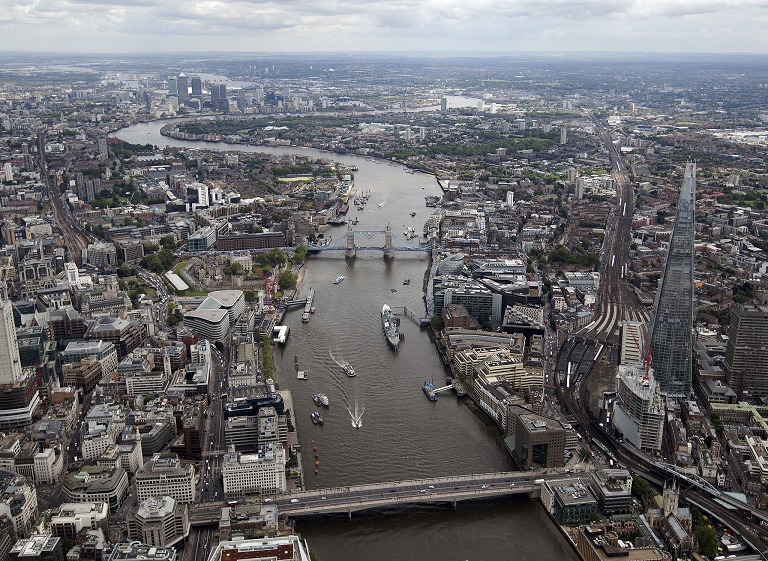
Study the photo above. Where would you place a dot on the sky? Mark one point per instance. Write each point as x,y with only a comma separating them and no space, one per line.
135,26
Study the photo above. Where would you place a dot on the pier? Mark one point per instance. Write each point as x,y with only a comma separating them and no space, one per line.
422,322
308,305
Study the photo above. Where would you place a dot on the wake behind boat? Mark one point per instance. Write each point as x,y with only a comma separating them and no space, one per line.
389,324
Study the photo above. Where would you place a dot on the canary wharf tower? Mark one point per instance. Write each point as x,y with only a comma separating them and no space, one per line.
672,321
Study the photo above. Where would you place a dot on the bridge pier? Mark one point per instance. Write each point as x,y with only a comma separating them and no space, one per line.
349,515
389,249
350,251
453,504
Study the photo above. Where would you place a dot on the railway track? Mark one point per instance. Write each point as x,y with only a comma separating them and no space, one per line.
75,240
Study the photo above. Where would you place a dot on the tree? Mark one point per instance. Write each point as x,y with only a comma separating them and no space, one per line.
168,242
640,486
300,254
288,280
437,323
707,539
251,296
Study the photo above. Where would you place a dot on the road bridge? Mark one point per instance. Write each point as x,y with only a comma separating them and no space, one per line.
371,240
446,490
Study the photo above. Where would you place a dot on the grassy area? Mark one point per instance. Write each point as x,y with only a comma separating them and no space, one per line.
194,293
177,269
267,366
293,179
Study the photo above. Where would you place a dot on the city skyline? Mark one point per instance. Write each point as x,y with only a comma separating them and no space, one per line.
117,26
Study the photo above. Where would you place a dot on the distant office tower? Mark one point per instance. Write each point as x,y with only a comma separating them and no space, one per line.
103,150
197,87
8,171
444,104
182,86
173,85
672,321
219,99
564,135
747,352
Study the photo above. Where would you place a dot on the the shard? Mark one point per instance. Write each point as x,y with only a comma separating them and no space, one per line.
672,320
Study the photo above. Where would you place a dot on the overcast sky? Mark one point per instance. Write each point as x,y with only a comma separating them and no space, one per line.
384,25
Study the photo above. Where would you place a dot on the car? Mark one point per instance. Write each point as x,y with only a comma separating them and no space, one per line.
267,500
431,486
484,487
322,498
294,500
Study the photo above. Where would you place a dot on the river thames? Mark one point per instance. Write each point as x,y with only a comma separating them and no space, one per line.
403,435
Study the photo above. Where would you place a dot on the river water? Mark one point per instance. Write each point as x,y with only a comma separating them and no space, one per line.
403,435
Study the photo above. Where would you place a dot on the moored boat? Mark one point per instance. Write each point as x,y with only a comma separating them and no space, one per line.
323,400
429,390
389,324
316,418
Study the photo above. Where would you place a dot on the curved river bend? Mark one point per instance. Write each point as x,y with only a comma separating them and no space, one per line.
403,435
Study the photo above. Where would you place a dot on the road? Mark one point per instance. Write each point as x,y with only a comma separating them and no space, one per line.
360,497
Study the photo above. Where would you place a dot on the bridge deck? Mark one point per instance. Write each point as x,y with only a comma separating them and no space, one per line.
379,495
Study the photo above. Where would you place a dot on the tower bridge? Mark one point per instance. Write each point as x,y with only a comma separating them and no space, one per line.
367,240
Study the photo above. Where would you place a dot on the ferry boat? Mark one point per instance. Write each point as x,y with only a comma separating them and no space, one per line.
321,399
348,370
429,390
338,279
316,418
305,317
389,324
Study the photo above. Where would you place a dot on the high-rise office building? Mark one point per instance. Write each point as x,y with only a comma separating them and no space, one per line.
10,364
672,321
747,352
219,101
173,85
197,86
19,387
182,86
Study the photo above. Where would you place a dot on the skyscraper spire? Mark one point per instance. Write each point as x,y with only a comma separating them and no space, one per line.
672,321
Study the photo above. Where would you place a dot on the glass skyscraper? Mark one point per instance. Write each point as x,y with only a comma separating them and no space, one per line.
672,321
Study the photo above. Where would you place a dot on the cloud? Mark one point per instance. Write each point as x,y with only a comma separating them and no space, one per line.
383,25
